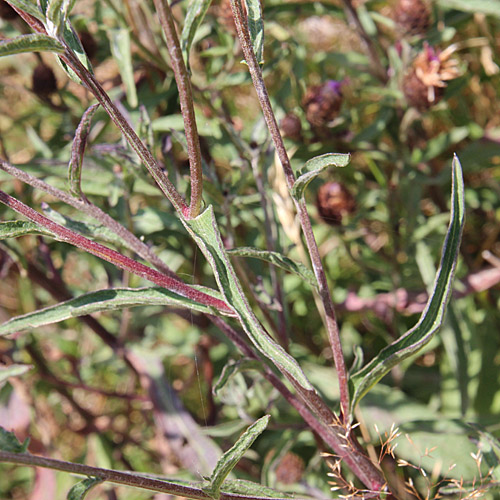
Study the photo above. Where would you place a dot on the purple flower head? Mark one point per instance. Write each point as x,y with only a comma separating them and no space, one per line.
334,86
432,53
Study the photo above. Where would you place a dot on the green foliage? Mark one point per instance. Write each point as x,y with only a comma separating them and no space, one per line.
432,317
80,490
231,457
9,442
126,376
30,43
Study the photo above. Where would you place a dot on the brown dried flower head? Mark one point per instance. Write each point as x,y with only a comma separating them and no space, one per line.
412,17
334,201
322,103
290,469
291,127
424,85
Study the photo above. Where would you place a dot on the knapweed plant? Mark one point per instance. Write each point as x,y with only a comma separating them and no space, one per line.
229,255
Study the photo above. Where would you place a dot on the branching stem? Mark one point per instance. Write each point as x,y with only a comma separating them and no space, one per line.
324,292
116,258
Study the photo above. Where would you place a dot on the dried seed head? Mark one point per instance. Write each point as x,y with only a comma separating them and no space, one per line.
412,16
322,103
333,202
291,127
6,11
424,84
290,469
44,81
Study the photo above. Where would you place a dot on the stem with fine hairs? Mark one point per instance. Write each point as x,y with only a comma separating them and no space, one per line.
187,109
305,222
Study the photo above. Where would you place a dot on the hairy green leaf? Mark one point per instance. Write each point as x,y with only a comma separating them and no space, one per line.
30,43
29,7
314,167
103,300
229,460
73,41
231,369
9,442
256,28
277,259
194,17
251,489
432,317
80,490
121,50
17,228
205,232
77,151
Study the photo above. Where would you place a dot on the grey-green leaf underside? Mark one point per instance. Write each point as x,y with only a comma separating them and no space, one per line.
314,167
103,300
278,260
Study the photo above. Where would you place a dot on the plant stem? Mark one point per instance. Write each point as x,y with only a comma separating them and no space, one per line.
132,138
324,292
114,476
330,431
114,257
187,109
94,211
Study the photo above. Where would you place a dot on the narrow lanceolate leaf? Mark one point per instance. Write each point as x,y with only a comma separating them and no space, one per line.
120,48
80,490
119,260
205,232
251,489
30,7
103,300
77,151
30,43
194,17
54,17
278,260
256,28
231,369
228,461
17,228
93,231
73,42
12,371
432,317
314,167
9,442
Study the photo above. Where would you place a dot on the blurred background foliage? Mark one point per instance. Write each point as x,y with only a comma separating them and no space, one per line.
401,86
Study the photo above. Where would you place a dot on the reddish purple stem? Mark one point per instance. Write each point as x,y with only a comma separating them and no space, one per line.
115,258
